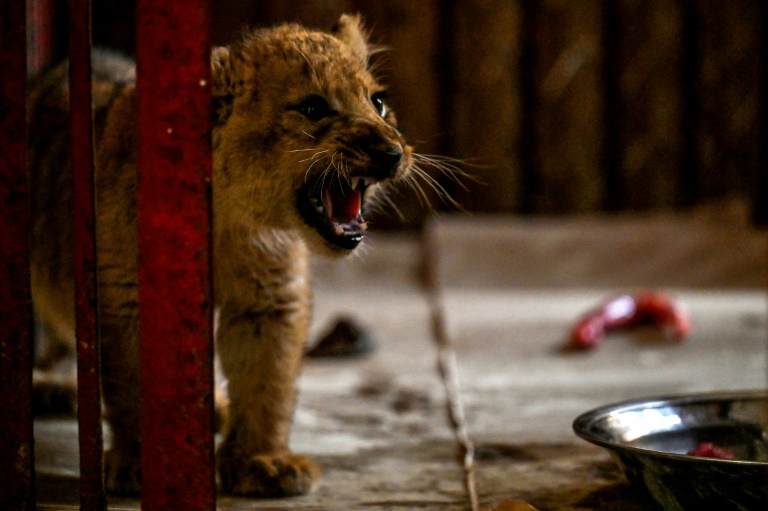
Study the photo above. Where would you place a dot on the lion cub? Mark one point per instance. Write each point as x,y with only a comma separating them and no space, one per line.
303,136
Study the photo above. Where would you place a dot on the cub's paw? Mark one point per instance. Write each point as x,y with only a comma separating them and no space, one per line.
268,475
122,474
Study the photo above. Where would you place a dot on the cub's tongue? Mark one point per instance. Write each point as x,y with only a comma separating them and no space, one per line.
341,202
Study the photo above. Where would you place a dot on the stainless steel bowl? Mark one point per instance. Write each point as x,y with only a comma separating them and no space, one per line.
650,440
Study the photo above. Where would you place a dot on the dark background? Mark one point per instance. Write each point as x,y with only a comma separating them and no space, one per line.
561,107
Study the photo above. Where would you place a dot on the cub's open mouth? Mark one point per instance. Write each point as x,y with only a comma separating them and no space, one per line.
333,207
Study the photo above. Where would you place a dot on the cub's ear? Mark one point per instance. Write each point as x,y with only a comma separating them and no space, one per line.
350,30
224,86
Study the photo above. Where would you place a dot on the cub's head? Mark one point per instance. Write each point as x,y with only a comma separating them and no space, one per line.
303,133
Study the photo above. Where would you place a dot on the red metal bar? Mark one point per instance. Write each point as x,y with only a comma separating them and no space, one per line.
174,115
45,39
92,496
16,445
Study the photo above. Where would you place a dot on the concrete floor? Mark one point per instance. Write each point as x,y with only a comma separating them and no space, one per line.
511,289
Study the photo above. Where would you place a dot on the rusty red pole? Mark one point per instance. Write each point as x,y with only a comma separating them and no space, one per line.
174,218
45,44
16,444
92,497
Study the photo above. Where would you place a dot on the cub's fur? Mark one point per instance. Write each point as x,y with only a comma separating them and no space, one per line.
302,135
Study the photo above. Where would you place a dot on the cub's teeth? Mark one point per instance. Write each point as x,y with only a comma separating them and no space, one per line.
355,181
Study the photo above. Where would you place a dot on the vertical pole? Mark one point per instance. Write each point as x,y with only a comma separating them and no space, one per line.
613,190
16,444
530,162
174,220
46,38
92,497
690,179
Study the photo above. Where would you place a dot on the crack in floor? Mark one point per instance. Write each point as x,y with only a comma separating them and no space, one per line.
448,368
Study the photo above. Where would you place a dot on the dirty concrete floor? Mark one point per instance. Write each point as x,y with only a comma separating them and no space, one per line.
377,423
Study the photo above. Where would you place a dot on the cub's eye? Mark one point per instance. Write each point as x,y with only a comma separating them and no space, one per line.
378,102
314,108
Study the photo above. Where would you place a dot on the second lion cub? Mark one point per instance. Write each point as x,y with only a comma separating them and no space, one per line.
303,136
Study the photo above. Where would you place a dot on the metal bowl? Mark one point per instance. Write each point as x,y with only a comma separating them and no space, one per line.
650,440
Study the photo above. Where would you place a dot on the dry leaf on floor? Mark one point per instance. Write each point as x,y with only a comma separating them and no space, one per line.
513,505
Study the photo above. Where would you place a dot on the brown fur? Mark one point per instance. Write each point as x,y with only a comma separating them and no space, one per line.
274,144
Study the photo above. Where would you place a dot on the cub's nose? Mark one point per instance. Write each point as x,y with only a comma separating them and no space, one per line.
385,159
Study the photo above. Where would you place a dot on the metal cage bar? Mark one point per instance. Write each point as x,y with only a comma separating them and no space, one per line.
46,34
174,219
92,496
16,440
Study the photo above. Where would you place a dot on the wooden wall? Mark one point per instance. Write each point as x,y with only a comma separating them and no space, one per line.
558,106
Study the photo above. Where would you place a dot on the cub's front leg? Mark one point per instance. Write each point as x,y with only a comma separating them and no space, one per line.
260,347
120,386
